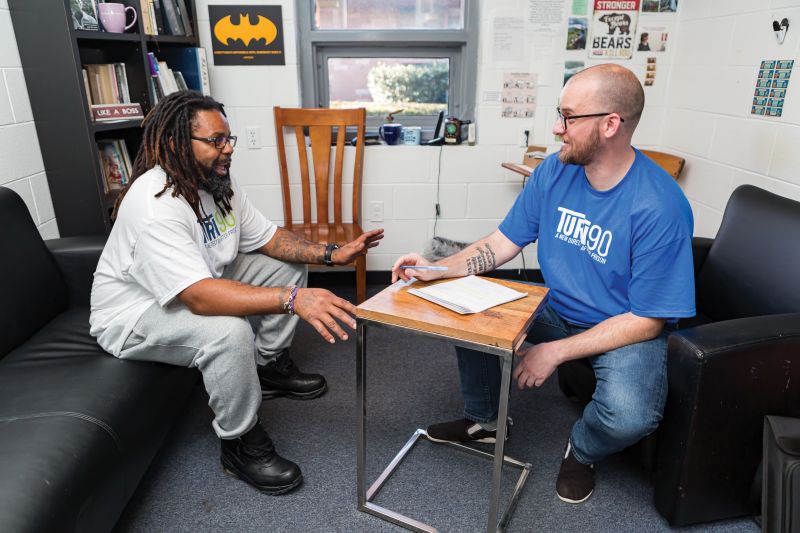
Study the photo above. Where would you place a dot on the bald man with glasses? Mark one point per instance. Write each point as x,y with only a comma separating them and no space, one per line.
614,246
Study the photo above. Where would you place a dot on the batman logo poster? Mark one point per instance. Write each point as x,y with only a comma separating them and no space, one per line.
247,35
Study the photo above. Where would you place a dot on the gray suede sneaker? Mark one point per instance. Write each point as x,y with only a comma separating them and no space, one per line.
464,430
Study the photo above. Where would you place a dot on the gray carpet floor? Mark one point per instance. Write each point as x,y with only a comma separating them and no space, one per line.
412,381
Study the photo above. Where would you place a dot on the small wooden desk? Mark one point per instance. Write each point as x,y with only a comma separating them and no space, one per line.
499,331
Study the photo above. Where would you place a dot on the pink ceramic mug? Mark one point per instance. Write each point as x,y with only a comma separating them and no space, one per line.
112,16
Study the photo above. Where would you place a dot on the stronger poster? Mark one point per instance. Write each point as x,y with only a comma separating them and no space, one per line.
613,28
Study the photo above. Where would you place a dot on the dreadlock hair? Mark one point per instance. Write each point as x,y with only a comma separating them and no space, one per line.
166,141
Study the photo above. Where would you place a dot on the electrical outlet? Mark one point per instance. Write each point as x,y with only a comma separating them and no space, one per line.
253,134
525,135
376,211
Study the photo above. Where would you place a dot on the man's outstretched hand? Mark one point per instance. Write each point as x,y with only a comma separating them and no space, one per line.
358,247
324,311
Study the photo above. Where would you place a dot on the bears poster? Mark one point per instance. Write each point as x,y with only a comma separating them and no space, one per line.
613,29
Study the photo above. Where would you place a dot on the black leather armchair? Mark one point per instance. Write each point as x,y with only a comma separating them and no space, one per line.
735,362
78,427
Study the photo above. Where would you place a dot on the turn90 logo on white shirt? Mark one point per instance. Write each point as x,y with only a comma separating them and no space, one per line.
575,228
217,227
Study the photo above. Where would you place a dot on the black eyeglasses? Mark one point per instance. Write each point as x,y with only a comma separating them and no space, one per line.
219,142
564,119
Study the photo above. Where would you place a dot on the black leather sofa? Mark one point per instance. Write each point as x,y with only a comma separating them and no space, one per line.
78,427
735,362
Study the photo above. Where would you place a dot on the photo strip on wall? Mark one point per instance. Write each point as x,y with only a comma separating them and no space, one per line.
650,73
771,85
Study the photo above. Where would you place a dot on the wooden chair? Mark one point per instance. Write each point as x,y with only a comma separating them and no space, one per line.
672,164
530,160
320,124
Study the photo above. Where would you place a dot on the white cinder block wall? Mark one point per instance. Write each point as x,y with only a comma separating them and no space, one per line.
474,191
718,48
698,107
21,166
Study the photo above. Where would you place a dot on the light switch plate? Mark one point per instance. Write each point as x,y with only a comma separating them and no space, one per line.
376,211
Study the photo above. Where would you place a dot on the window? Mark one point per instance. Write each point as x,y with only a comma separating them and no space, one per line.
416,55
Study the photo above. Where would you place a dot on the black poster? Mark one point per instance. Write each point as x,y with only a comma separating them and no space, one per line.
247,35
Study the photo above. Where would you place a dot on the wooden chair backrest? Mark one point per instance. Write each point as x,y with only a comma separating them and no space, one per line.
320,124
672,164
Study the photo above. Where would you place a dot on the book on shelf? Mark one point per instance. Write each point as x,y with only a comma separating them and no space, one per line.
203,81
180,81
191,62
152,81
185,18
158,16
167,78
164,87
84,15
111,79
115,163
108,83
174,23
152,63
467,295
146,14
121,76
99,89
159,74
154,90
113,112
126,158
86,87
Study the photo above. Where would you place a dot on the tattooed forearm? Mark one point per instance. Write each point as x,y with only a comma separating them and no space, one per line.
291,248
484,260
490,257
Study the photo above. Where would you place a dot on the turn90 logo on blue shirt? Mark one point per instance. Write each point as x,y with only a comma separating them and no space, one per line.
604,253
575,228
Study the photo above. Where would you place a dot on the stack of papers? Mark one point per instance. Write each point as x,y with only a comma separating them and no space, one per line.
468,295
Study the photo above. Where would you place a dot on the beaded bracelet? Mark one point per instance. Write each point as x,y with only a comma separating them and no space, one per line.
288,305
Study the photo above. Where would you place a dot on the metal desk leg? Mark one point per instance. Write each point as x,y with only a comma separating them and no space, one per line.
361,410
502,416
365,495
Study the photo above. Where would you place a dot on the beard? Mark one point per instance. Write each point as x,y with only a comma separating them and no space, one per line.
583,152
215,184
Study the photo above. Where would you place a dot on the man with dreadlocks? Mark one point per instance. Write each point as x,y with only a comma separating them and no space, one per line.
189,258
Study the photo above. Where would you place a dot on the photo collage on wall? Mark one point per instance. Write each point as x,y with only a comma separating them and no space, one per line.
771,86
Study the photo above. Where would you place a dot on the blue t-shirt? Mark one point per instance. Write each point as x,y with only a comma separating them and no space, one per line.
604,253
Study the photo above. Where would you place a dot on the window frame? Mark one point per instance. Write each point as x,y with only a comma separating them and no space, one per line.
459,46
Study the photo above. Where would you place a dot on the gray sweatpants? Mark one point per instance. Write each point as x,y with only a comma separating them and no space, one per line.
223,348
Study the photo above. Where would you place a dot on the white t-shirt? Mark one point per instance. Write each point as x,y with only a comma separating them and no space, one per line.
158,247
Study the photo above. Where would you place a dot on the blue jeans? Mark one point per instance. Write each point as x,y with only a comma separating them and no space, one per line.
627,403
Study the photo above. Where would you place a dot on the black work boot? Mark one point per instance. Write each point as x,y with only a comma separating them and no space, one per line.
282,378
253,459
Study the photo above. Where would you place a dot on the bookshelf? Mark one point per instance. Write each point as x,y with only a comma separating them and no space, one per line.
53,55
